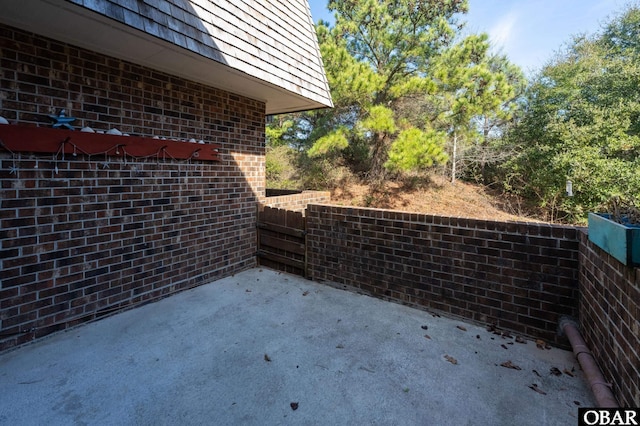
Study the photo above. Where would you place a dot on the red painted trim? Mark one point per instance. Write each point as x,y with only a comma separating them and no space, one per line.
47,140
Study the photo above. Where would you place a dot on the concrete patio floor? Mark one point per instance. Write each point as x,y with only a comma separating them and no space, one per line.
241,350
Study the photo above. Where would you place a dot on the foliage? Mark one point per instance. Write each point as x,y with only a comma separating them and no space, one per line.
280,134
289,168
403,83
477,91
581,123
415,149
280,167
378,52
335,140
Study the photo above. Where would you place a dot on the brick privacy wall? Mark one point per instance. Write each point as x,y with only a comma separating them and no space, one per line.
102,234
610,318
518,276
296,202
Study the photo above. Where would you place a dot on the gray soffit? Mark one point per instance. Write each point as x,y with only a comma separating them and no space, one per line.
264,50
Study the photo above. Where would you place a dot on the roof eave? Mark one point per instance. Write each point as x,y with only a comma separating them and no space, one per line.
84,28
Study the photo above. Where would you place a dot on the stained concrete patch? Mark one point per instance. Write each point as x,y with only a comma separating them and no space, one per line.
249,348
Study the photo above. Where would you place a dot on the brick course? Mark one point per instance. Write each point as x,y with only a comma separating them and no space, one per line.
102,234
296,201
518,276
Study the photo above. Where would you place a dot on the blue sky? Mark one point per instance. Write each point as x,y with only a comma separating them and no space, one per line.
529,32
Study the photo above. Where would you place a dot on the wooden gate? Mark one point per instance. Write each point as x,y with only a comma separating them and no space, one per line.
282,241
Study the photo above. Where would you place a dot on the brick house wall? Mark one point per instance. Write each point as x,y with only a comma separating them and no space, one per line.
610,318
104,234
518,276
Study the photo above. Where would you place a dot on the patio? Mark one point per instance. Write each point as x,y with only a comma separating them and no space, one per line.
243,349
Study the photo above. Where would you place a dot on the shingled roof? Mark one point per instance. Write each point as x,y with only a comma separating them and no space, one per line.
266,50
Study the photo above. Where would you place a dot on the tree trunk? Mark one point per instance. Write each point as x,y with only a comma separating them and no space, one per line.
377,172
485,147
453,157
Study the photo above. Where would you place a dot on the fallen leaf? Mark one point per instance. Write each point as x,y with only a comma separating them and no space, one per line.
541,344
568,373
451,359
427,336
305,293
339,347
555,371
509,364
266,358
576,402
492,328
536,373
294,406
435,315
504,346
537,389
459,327
247,291
520,339
424,327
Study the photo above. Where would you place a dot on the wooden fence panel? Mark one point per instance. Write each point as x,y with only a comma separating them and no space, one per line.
282,240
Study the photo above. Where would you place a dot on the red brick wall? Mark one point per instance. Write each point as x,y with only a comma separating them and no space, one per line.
94,237
610,318
519,276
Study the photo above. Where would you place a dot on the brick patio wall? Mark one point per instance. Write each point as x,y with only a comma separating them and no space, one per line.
610,318
297,201
102,234
519,276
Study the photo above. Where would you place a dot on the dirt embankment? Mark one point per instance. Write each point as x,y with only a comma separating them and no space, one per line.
437,197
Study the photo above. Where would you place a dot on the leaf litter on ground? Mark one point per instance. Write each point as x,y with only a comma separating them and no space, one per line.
509,364
555,371
537,389
541,344
451,359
